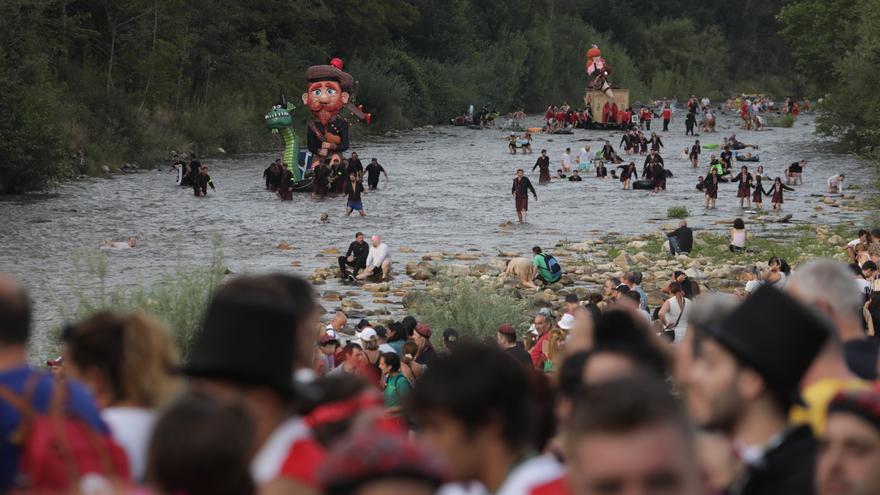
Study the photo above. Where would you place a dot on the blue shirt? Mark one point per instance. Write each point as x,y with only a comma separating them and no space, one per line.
80,404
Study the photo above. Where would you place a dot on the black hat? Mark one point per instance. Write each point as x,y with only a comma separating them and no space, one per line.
775,335
246,339
450,335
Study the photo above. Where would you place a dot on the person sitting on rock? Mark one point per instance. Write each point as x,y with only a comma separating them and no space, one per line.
378,261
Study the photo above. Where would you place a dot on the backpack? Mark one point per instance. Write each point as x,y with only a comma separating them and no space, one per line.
58,450
552,265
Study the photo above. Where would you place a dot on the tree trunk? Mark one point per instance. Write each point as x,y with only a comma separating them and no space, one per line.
112,53
152,55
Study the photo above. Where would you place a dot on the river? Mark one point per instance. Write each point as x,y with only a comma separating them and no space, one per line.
449,190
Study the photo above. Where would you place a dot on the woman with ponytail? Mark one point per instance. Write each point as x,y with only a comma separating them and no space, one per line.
674,312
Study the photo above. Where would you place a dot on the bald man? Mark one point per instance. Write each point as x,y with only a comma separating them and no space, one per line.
378,260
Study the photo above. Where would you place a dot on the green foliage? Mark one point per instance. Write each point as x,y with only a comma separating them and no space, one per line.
795,245
472,307
786,121
179,298
678,212
131,80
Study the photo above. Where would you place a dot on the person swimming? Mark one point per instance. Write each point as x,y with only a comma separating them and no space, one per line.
131,243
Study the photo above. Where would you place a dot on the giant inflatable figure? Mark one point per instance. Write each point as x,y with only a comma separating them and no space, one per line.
598,70
328,92
279,121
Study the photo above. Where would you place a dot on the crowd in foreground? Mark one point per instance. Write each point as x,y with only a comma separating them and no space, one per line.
769,391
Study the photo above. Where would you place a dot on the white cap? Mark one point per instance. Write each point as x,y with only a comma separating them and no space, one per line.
533,329
566,322
367,334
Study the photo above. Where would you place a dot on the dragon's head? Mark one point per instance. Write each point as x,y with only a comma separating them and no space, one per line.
279,117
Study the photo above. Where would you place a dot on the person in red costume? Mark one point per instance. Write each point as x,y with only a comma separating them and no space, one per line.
598,71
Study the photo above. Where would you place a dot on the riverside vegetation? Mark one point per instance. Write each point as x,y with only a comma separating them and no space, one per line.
87,85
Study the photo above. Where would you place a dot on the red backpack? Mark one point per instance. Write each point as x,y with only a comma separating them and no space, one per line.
59,451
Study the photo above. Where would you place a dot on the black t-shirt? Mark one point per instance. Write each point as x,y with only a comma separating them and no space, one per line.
795,168
861,358
354,192
354,166
575,178
373,170
520,355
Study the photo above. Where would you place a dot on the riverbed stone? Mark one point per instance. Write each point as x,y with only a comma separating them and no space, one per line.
624,260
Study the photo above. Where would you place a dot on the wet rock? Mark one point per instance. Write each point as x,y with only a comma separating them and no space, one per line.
105,169
283,246
624,261
330,251
433,256
466,257
383,287
349,304
331,296
835,240
582,247
637,244
405,249
421,274
566,280
458,270
694,273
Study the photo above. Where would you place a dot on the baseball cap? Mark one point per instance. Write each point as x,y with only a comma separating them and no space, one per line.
450,335
368,334
566,322
507,329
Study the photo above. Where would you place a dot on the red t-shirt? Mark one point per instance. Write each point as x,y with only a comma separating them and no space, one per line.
667,114
538,357
303,460
559,486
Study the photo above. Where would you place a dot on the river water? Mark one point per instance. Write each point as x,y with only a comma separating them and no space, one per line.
449,190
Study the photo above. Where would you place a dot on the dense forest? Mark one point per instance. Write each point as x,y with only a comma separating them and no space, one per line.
91,83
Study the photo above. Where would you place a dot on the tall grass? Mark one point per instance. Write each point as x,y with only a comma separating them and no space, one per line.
178,298
678,212
474,308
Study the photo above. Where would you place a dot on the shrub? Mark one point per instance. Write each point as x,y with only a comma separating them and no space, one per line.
472,307
178,299
678,212
786,121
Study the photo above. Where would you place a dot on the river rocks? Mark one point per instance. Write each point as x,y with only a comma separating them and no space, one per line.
624,261
466,256
642,258
105,169
637,244
350,304
835,240
405,249
457,270
283,246
433,256
383,287
582,247
331,296
694,273
296,264
330,251
421,274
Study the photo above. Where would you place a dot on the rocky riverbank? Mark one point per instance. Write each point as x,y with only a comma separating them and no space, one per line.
588,263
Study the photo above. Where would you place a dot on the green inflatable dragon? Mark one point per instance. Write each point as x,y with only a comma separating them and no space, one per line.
279,121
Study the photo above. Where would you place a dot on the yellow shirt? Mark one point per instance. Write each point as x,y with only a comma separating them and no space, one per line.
817,397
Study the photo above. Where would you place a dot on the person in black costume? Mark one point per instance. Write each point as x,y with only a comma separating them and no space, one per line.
355,257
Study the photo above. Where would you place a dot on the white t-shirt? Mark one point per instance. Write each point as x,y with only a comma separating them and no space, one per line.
864,285
836,182
566,160
585,156
266,464
131,427
752,285
853,243
377,255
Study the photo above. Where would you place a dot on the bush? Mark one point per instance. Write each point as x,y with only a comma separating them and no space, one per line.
678,212
786,121
179,299
474,308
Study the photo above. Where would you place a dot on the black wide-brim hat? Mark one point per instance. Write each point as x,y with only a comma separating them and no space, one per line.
775,335
247,340
317,73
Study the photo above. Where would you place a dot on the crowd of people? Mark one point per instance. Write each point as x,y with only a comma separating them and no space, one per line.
767,390
335,175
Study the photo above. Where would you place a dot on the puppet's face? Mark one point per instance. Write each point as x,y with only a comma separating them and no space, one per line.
325,99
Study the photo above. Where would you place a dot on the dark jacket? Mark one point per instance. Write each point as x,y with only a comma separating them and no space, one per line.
786,469
685,237
522,187
520,355
360,251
